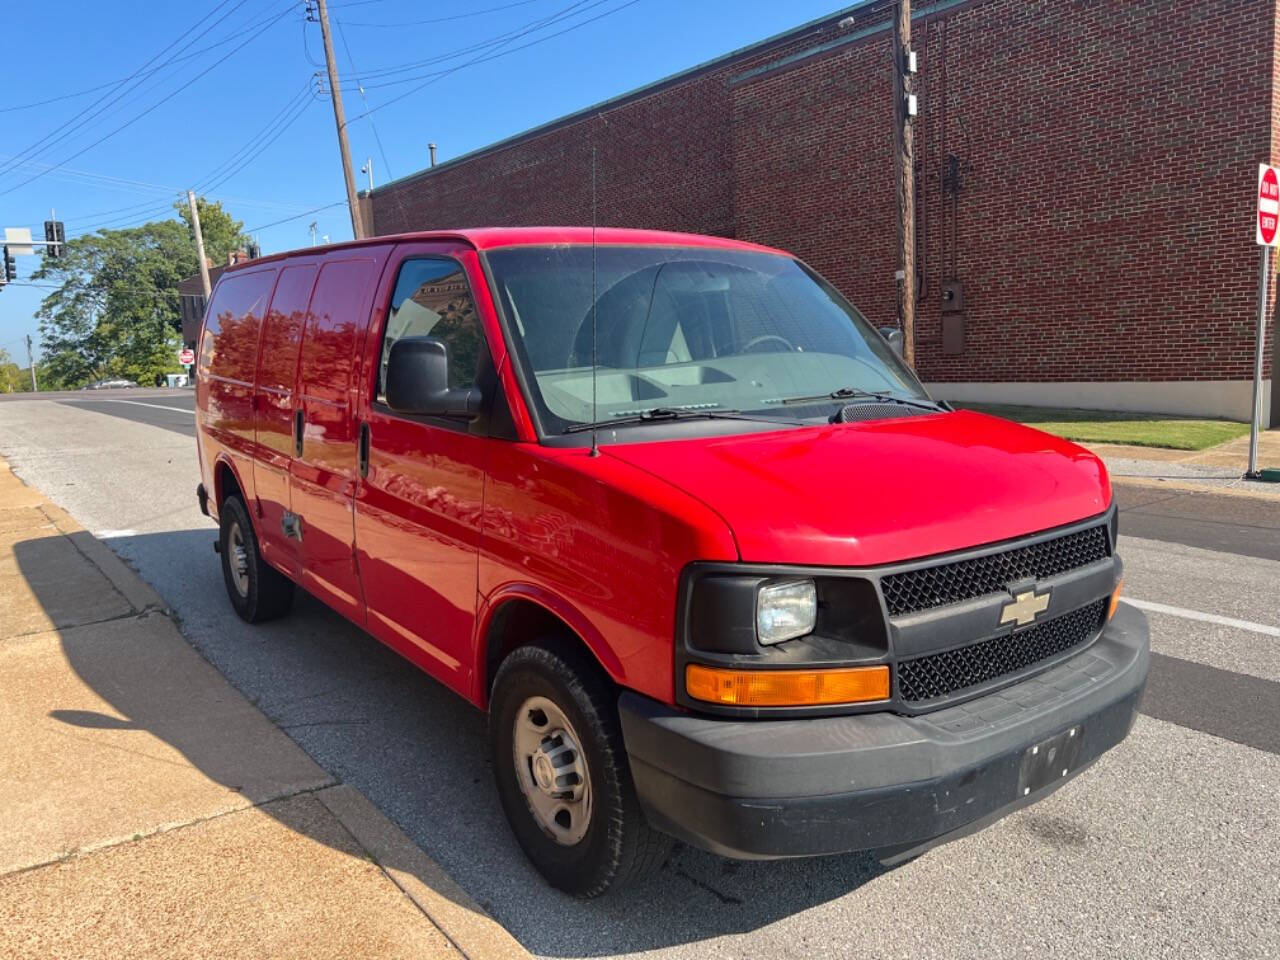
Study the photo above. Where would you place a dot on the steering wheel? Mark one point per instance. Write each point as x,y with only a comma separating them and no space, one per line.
765,338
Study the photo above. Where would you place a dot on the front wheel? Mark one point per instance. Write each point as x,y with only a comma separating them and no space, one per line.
562,772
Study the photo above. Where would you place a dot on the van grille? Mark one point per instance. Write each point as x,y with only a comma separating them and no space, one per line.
946,583
941,674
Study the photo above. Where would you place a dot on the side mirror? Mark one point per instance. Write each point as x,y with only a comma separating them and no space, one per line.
893,336
418,381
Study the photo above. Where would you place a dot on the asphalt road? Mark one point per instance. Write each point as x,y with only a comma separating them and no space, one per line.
1168,847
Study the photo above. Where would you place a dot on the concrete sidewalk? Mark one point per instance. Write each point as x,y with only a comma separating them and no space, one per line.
147,809
1219,469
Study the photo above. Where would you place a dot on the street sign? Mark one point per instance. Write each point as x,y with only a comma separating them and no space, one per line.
1268,235
187,357
18,240
1268,206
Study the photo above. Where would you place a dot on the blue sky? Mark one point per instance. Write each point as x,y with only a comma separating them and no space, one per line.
232,107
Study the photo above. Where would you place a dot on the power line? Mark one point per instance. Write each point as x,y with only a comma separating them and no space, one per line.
249,158
456,16
113,83
276,223
155,105
355,75
441,74
206,182
497,40
35,148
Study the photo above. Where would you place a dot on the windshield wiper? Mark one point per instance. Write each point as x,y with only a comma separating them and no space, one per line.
853,393
669,414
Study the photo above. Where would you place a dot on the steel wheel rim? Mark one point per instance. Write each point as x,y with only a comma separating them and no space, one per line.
552,770
238,559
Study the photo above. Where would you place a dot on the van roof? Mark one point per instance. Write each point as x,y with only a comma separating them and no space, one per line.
489,238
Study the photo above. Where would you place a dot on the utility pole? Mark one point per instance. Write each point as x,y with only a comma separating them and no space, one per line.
204,264
904,112
339,117
32,364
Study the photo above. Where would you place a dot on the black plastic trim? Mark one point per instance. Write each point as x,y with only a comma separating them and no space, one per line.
881,782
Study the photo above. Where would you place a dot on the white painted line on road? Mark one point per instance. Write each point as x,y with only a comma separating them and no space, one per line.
1262,628
109,534
139,403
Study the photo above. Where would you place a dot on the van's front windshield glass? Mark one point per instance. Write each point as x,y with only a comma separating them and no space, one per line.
685,329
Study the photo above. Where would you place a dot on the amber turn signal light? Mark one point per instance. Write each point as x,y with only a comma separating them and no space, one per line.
786,688
1115,599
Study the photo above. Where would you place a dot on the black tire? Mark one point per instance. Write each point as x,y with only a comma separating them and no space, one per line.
619,846
258,592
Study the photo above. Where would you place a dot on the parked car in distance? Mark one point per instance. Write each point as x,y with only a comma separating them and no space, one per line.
109,384
677,516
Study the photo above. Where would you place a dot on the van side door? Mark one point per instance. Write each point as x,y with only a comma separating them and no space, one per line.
322,474
420,501
228,358
273,402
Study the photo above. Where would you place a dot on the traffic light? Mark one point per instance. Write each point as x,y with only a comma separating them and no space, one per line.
55,236
10,266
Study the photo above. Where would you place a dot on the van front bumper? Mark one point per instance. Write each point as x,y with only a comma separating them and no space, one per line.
763,789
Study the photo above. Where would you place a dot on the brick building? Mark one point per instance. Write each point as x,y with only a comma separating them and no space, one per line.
1085,178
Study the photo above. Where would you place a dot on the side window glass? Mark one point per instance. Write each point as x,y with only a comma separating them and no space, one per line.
432,299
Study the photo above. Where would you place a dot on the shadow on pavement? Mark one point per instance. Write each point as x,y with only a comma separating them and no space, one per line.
420,754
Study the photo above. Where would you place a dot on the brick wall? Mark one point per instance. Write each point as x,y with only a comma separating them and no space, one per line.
1102,226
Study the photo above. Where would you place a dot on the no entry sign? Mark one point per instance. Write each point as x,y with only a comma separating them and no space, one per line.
1268,206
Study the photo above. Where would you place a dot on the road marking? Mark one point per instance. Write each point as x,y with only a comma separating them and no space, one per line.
139,403
1262,628
112,534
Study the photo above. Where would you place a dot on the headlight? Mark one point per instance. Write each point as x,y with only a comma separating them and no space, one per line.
786,610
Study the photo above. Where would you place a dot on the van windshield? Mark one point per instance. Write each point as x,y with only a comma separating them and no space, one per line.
684,329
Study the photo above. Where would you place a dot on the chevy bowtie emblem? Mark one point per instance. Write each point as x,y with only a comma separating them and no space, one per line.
1025,607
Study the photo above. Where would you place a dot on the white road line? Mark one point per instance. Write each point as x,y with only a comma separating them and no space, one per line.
111,534
139,403
1262,628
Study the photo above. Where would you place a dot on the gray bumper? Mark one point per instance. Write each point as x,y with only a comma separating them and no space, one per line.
878,781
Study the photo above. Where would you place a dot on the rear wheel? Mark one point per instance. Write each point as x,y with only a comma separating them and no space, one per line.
562,772
257,590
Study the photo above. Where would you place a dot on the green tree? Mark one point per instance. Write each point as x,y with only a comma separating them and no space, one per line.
10,374
115,312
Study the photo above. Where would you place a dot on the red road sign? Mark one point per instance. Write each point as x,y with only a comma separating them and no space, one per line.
188,357
1268,205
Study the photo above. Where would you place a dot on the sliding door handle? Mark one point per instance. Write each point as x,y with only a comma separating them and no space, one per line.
297,433
363,449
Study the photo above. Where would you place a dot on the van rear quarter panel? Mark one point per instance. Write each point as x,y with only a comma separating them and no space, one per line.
227,368
601,545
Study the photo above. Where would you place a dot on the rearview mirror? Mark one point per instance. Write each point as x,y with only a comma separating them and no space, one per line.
418,381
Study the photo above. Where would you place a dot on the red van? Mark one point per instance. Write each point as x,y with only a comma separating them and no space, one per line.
678,518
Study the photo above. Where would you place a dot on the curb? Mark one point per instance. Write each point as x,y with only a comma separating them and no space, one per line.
1191,486
463,922
469,928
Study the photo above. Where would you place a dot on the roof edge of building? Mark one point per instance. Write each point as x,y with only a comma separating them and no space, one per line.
649,88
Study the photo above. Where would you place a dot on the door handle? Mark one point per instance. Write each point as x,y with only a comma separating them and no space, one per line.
362,449
297,432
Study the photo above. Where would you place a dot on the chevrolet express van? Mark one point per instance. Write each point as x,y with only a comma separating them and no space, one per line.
677,517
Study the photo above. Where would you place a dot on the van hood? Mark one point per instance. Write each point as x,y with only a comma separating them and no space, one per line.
885,491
